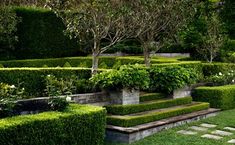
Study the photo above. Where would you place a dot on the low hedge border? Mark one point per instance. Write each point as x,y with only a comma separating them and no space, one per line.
109,61
151,97
78,125
129,109
222,97
32,79
129,121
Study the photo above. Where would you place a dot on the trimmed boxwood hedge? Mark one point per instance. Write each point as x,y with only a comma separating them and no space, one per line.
222,97
214,68
79,61
135,108
32,79
78,125
129,121
152,96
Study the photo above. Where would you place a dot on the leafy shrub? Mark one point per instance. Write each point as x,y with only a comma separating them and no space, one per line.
61,86
77,125
129,109
222,78
84,86
167,79
117,64
8,95
1,66
57,103
34,78
215,68
222,97
44,66
126,77
129,121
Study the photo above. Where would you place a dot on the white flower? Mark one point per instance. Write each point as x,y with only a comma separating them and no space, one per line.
233,81
12,86
220,74
48,75
232,71
23,89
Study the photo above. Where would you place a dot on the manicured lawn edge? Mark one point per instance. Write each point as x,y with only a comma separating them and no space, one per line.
79,124
129,121
129,109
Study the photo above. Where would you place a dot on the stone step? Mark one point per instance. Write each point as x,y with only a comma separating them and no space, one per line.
132,134
159,110
100,104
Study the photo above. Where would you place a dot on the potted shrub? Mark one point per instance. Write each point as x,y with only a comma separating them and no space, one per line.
175,80
124,84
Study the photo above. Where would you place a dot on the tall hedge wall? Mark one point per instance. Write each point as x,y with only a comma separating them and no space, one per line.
40,35
78,125
32,79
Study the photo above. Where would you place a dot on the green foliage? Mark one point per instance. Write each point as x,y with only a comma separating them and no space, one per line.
129,121
151,97
84,86
103,65
222,78
41,35
216,68
130,109
44,66
61,86
77,125
8,38
168,79
9,94
117,65
1,66
58,104
222,97
128,76
67,64
34,78
228,15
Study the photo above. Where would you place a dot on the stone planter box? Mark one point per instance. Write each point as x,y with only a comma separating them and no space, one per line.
124,96
89,98
186,91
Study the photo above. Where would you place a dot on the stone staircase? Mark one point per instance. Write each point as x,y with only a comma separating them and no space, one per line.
131,127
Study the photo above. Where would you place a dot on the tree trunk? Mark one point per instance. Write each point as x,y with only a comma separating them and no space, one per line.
95,62
146,56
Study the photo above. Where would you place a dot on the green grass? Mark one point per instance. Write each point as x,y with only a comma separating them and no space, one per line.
170,137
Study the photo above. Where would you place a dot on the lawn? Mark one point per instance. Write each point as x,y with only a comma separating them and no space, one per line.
171,137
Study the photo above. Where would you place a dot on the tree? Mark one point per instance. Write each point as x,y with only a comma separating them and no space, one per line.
94,21
8,23
213,39
159,20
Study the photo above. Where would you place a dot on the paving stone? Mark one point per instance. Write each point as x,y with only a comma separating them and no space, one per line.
210,136
232,141
229,128
208,125
198,128
222,133
186,132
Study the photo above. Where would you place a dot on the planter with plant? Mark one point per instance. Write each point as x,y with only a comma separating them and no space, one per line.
175,81
123,84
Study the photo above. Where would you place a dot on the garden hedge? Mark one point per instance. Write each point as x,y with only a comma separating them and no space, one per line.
214,68
109,61
40,35
135,108
129,121
222,97
32,79
78,125
151,97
